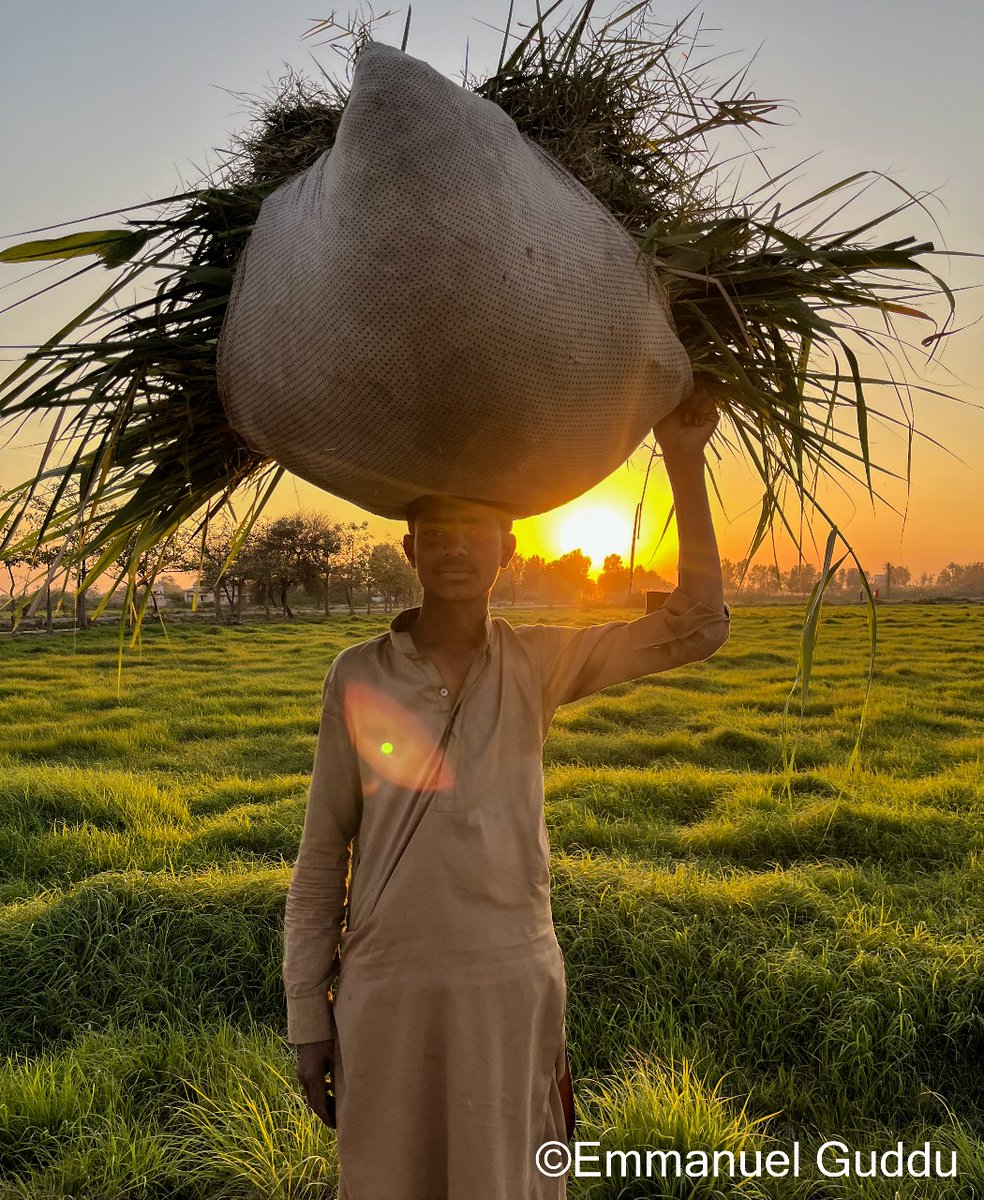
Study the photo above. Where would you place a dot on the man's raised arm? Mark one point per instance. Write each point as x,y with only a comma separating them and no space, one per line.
692,623
682,437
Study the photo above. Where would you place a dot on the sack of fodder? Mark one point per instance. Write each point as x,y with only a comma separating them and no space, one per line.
436,305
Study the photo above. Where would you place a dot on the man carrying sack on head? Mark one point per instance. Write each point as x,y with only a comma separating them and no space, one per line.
440,1055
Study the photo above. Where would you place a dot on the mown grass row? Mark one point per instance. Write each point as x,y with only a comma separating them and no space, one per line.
753,954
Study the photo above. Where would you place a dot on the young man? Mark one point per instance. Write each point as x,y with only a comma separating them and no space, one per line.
445,1041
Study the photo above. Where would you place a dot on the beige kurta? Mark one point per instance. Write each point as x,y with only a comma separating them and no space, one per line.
449,1003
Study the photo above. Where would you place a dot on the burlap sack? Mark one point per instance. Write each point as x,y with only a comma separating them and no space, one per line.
436,305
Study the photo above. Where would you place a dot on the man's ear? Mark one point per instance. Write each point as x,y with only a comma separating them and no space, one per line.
408,549
508,548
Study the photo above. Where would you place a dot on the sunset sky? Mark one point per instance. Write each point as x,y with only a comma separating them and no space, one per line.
110,103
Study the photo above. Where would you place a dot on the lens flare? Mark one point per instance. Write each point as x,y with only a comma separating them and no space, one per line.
394,745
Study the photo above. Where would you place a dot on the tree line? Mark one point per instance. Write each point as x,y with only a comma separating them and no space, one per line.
295,557
300,555
306,559
892,580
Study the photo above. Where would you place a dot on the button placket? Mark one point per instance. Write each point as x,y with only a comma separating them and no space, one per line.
452,746
432,673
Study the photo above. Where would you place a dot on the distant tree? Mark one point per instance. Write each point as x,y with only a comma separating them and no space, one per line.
506,586
566,577
532,582
763,579
352,562
852,581
138,572
217,570
730,574
172,590
11,562
896,577
77,574
965,578
36,554
389,573
286,552
801,577
973,577
43,500
643,580
613,582
80,570
327,538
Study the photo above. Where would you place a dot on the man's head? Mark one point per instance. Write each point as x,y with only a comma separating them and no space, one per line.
457,546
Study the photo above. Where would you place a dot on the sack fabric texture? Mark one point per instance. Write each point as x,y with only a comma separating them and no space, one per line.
438,306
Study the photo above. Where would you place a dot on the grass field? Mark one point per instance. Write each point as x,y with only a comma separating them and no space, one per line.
754,955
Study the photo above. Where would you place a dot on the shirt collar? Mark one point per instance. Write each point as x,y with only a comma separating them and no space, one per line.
400,631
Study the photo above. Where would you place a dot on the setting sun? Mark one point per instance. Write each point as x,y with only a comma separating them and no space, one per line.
597,530
599,523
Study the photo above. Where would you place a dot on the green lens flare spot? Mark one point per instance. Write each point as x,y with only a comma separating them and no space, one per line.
387,747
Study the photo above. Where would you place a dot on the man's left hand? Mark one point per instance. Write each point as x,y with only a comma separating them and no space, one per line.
687,429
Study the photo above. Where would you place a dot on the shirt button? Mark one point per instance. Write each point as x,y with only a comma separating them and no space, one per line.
444,691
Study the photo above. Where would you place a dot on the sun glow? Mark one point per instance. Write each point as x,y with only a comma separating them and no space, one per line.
597,530
599,522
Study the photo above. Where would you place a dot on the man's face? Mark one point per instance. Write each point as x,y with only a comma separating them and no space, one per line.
458,548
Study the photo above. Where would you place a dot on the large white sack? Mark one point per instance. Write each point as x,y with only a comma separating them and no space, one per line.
436,305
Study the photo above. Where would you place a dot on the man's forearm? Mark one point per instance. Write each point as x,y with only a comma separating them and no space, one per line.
700,562
316,896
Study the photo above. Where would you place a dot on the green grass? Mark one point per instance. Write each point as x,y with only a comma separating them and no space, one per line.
755,954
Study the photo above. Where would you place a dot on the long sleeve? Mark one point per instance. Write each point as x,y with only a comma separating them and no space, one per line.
316,896
576,662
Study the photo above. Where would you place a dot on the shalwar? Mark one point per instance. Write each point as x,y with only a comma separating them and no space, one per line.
449,998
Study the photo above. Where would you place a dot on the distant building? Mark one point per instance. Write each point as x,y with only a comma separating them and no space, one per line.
204,597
